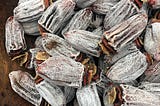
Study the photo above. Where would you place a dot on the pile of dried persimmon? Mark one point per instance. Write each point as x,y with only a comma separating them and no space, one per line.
87,52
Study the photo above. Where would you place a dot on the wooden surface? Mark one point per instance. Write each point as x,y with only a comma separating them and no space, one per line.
7,96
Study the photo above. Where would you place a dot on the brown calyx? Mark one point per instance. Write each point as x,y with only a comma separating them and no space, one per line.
42,55
156,17
139,43
148,58
91,73
91,67
97,74
38,79
14,53
115,96
106,48
82,58
21,59
28,61
88,73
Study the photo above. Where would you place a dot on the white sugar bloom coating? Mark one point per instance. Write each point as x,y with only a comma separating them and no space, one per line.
128,68
126,31
80,20
31,28
60,46
51,93
150,87
23,84
84,41
62,69
122,10
88,96
29,10
104,6
14,36
56,15
152,40
133,96
152,74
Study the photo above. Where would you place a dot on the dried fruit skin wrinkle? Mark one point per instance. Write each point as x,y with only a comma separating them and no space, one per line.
88,96
23,84
84,41
151,40
56,15
86,52
14,35
51,93
29,11
135,64
62,70
80,20
53,44
127,31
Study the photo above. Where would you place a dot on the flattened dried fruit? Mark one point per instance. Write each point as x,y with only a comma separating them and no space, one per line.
84,41
135,64
29,10
80,20
135,96
126,95
14,35
62,71
88,96
127,31
23,84
54,44
56,15
51,93
120,12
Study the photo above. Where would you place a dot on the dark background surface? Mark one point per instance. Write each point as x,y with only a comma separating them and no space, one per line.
7,96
